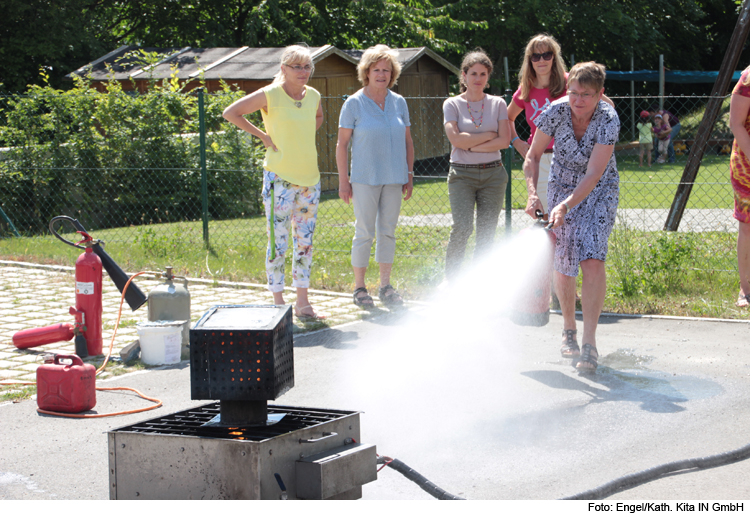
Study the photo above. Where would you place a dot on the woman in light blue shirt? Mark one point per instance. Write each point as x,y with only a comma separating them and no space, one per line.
376,122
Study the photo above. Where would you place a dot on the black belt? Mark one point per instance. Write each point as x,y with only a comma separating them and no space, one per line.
548,151
490,165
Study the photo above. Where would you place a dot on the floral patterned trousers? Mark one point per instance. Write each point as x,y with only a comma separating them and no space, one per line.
288,205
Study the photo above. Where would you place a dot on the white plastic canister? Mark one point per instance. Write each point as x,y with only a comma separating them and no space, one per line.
161,342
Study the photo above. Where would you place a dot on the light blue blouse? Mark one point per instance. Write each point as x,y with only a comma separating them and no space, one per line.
378,139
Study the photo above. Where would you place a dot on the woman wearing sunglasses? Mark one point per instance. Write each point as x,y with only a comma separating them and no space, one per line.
583,194
542,80
291,114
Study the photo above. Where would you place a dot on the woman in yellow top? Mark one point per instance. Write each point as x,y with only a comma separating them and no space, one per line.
291,114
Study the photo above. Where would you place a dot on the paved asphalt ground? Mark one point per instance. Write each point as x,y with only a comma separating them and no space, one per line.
483,408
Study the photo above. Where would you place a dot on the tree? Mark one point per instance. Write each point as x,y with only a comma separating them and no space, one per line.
55,35
256,23
65,34
689,33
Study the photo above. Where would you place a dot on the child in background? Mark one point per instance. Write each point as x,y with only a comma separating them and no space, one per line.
662,131
645,140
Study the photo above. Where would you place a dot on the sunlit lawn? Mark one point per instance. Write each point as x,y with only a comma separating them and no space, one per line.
707,285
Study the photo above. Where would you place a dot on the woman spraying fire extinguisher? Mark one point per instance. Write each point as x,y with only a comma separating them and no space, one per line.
583,195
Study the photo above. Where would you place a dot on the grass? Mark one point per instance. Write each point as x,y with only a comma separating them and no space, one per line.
699,281
16,393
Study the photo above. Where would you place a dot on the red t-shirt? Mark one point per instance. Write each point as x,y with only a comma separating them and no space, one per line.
539,100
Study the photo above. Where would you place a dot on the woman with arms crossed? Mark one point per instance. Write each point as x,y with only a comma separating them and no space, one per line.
291,114
376,122
477,127
583,194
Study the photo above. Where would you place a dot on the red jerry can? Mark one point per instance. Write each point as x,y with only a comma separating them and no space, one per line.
68,388
531,305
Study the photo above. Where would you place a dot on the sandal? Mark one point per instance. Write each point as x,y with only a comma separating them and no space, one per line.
365,300
589,356
389,296
743,301
308,317
570,349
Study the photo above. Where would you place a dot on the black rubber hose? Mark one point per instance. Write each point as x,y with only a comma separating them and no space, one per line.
665,470
418,479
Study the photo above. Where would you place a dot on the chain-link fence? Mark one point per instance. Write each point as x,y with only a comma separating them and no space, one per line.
166,164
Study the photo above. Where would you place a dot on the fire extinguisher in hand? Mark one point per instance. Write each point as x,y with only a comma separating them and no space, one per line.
531,307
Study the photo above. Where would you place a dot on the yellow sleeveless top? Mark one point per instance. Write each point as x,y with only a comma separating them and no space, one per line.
292,130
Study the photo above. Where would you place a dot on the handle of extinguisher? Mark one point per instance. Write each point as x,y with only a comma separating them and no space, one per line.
540,220
75,223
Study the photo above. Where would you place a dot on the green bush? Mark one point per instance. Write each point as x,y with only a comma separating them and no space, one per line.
115,159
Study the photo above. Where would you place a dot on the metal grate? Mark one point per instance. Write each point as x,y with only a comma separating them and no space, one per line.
191,423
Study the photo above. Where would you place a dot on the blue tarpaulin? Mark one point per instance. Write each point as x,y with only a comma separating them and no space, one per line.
673,76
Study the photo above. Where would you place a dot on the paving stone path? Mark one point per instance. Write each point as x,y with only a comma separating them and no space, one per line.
34,296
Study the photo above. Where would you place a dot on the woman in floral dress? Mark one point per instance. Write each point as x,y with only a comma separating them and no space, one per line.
583,197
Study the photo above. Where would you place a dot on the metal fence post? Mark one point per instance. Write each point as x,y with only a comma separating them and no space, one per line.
508,161
10,224
204,172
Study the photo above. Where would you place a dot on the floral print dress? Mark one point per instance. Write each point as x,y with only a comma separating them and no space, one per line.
585,231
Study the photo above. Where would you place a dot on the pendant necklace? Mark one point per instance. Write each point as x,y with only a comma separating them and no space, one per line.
481,114
298,104
380,105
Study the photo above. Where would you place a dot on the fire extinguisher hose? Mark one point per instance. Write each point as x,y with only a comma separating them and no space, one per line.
417,478
665,470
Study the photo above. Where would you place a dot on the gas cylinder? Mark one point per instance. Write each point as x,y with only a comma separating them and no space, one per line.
531,306
89,298
34,337
170,301
65,387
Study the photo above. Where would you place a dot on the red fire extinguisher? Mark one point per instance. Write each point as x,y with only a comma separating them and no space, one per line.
531,305
89,266
34,337
89,295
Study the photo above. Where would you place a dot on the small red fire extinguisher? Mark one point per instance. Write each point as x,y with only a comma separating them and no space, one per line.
531,305
34,337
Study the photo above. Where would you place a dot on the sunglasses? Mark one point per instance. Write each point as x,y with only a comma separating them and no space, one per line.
547,55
